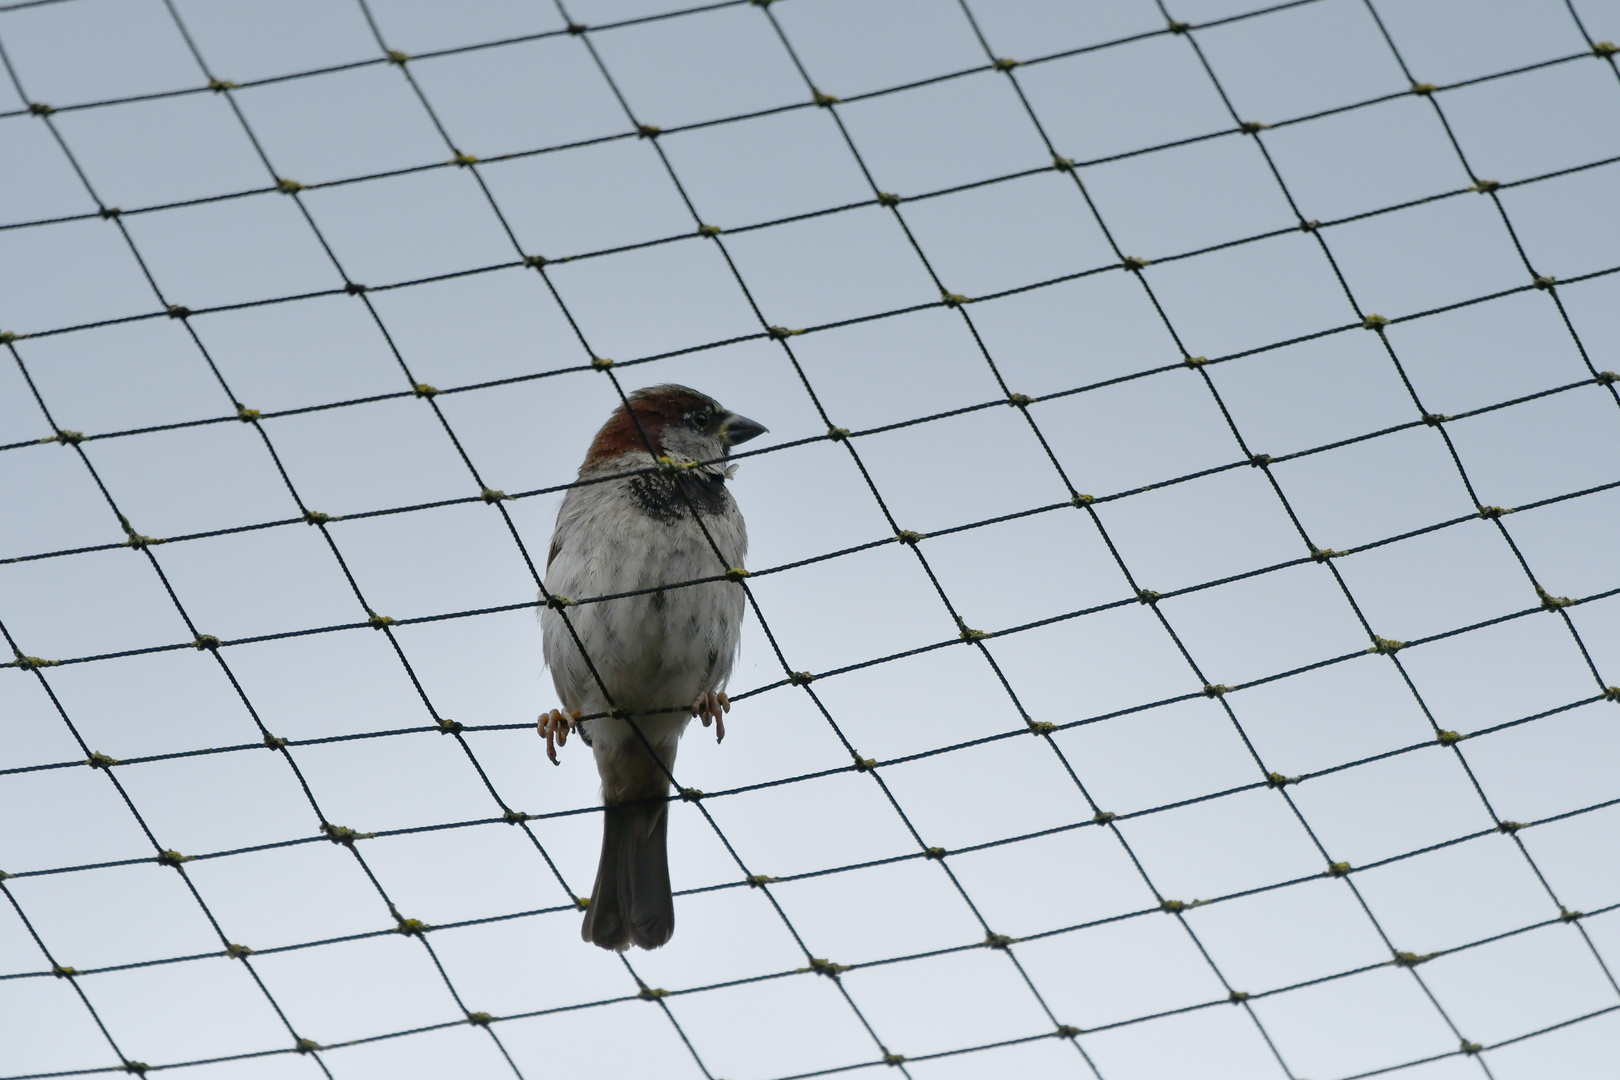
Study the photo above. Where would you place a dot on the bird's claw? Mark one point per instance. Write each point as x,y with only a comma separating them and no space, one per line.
554,726
711,708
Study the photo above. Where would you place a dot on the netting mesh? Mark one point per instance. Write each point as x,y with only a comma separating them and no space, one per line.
1070,746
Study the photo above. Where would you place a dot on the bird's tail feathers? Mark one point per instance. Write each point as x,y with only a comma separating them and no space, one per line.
631,902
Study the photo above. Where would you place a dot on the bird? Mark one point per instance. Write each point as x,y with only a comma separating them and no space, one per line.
650,512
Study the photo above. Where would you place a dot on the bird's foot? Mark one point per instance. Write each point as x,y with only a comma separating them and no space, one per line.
554,727
711,708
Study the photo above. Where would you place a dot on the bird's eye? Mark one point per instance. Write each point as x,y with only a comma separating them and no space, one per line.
700,419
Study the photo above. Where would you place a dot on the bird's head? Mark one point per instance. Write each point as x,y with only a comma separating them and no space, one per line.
679,422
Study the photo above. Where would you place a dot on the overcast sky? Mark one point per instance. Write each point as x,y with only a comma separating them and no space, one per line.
1191,487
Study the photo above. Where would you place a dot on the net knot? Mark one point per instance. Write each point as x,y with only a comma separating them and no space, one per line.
315,517
1324,554
1066,1031
1020,401
1309,225
172,857
1550,602
864,764
342,834
1509,827
1147,596
178,311
1407,959
1493,512
448,726
691,794
205,641
221,85
756,880
410,927
1448,738
1103,817
736,573
1485,187
1607,378
137,1067
481,1019
1214,690
1080,500
1259,461
379,621
1374,322
800,678
492,495
1173,907
1338,869
8,336
98,760
998,941
62,971
1250,127
423,390
838,434
1604,48
288,187
274,742
236,951
1195,361
463,159
109,212
39,108
1278,780
304,1046
1134,262
1471,1047
577,28
1567,915
514,817
1179,27
535,262
245,414
825,967
781,332
824,100
1006,63
397,57
648,131
935,853
1611,693
1062,164
951,299
1041,727
1424,88
906,536
1545,281
1238,997
709,230
134,539
1386,646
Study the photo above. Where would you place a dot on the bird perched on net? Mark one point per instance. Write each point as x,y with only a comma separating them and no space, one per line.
652,511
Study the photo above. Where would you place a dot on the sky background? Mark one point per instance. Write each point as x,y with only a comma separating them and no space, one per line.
1264,566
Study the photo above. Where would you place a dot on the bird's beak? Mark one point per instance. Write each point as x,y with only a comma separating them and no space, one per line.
736,429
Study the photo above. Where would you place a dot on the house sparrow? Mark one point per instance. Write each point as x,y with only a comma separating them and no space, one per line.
662,656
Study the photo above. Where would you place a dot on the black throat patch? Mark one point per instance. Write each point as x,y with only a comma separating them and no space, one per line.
671,498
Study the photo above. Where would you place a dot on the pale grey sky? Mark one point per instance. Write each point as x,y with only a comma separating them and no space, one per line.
1065,310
